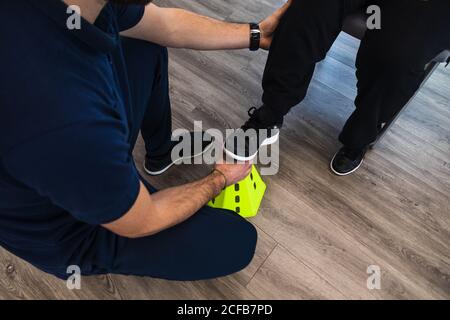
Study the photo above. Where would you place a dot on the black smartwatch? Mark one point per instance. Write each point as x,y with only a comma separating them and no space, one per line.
255,37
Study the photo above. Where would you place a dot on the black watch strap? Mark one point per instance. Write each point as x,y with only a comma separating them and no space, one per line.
255,37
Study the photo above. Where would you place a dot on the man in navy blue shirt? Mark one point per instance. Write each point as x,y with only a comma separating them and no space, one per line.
72,103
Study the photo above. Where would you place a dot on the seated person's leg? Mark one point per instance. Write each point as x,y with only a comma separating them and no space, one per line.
390,69
304,36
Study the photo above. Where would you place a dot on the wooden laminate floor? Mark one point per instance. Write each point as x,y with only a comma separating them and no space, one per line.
318,233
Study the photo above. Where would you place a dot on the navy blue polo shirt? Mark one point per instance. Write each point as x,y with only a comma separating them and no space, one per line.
65,160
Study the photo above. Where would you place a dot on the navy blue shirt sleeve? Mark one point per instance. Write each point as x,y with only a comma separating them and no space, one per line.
85,169
128,15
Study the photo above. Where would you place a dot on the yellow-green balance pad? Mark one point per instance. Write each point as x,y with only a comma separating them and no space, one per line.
244,197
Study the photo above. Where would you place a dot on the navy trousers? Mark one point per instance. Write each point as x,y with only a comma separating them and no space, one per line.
212,243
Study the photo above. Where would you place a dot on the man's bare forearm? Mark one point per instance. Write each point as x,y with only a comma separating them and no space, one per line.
175,205
164,209
193,31
178,28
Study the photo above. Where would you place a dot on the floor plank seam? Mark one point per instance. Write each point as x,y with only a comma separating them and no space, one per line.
312,270
262,264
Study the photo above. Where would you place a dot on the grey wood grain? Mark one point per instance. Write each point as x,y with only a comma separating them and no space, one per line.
318,233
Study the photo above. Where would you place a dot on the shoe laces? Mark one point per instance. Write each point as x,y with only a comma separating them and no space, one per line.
252,122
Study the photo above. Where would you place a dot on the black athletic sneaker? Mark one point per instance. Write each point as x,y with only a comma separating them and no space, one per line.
347,161
157,166
260,130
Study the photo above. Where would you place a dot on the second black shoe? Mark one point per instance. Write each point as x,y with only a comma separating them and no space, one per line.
260,130
347,160
159,165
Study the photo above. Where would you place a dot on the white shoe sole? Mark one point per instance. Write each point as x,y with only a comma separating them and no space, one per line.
266,142
343,174
176,162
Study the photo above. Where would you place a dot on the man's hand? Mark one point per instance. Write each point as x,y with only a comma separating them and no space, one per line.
270,24
234,172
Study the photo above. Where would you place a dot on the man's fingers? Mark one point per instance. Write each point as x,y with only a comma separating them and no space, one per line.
286,6
281,11
248,164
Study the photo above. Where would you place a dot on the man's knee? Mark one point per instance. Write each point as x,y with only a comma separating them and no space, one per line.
237,245
158,50
142,51
245,240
